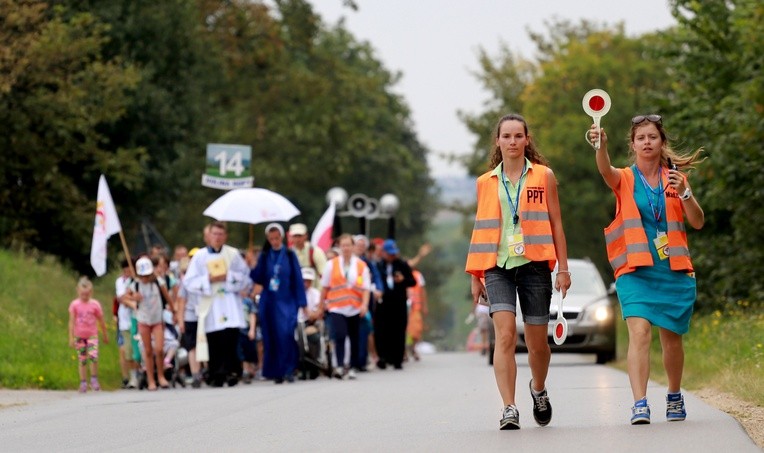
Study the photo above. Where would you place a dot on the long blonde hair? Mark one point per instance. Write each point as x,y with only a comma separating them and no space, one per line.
683,161
530,151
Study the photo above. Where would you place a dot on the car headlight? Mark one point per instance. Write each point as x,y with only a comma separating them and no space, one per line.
599,312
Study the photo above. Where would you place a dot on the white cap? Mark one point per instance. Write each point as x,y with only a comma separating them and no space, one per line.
298,229
144,266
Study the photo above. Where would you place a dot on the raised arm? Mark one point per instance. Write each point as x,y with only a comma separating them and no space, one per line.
609,173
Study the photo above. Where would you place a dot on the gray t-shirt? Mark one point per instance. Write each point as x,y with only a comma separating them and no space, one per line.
150,308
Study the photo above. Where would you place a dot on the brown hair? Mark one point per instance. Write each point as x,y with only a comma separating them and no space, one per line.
684,161
346,236
217,224
530,150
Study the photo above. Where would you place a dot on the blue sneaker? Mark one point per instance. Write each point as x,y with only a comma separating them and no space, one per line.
675,411
640,412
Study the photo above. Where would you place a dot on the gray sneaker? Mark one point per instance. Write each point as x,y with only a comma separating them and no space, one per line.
542,409
510,418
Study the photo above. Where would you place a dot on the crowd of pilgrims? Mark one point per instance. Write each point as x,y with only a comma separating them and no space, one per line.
218,316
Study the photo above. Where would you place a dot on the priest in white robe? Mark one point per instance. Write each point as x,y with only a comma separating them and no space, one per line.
217,274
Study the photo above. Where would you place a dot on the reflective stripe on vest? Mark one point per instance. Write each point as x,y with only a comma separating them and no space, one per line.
534,221
340,294
627,246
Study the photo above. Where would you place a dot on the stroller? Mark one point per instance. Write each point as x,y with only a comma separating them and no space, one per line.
315,350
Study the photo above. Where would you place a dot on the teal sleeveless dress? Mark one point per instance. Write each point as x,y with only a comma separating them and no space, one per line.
656,293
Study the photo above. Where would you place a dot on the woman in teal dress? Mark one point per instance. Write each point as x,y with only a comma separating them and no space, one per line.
654,274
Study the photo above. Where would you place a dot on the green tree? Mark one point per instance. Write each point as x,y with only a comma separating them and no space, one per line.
170,114
571,60
574,59
57,94
318,109
505,77
136,89
716,57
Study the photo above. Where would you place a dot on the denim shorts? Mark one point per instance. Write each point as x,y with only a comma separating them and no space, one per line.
531,282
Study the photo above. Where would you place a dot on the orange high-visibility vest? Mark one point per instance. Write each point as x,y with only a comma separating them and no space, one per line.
627,246
340,293
534,221
415,292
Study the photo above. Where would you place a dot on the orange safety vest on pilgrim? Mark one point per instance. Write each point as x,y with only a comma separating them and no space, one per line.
534,222
415,292
340,293
625,237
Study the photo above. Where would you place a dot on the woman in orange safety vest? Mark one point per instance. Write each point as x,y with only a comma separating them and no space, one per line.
345,289
647,248
516,242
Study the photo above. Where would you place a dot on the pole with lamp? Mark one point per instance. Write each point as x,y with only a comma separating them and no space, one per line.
364,208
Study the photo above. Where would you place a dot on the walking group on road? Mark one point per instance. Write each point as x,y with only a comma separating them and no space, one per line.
518,240
237,316
217,316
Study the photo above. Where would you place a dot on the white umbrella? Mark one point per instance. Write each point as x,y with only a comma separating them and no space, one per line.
252,206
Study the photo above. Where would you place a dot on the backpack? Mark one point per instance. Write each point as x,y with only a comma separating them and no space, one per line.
163,294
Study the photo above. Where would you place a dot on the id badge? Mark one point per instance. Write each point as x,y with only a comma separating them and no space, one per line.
516,245
274,284
661,245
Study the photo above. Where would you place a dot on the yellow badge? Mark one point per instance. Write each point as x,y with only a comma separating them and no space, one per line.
516,245
661,245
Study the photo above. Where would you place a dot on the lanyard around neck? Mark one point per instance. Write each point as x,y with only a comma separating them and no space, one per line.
512,207
277,259
656,193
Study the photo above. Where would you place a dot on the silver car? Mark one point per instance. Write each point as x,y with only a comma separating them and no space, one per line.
589,310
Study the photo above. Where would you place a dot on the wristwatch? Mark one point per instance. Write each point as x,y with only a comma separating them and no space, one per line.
686,195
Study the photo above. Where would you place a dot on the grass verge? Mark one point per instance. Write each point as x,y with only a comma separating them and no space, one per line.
35,292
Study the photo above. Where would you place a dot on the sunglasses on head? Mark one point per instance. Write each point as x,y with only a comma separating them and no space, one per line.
651,118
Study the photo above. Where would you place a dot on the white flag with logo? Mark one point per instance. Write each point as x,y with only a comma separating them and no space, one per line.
322,233
106,224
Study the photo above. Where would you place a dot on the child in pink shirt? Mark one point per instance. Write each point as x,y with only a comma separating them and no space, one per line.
85,316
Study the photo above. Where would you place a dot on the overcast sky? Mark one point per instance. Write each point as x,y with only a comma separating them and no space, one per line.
434,44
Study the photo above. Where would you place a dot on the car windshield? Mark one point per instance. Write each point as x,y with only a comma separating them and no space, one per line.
585,280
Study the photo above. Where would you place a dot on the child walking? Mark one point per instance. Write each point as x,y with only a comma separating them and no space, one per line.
84,313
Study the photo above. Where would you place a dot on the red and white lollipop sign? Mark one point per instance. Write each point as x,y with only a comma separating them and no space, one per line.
560,328
596,104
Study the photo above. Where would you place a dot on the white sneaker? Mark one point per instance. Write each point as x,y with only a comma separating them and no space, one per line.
351,374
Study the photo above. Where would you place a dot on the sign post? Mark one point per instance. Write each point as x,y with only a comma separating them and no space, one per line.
228,167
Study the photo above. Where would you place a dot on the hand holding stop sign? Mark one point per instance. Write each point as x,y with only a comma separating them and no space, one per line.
596,104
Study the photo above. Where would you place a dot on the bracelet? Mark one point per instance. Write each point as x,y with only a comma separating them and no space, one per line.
564,272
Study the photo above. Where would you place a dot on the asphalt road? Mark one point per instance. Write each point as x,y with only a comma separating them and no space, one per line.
447,402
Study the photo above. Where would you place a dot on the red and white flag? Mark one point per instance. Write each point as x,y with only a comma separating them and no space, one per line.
106,224
322,233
